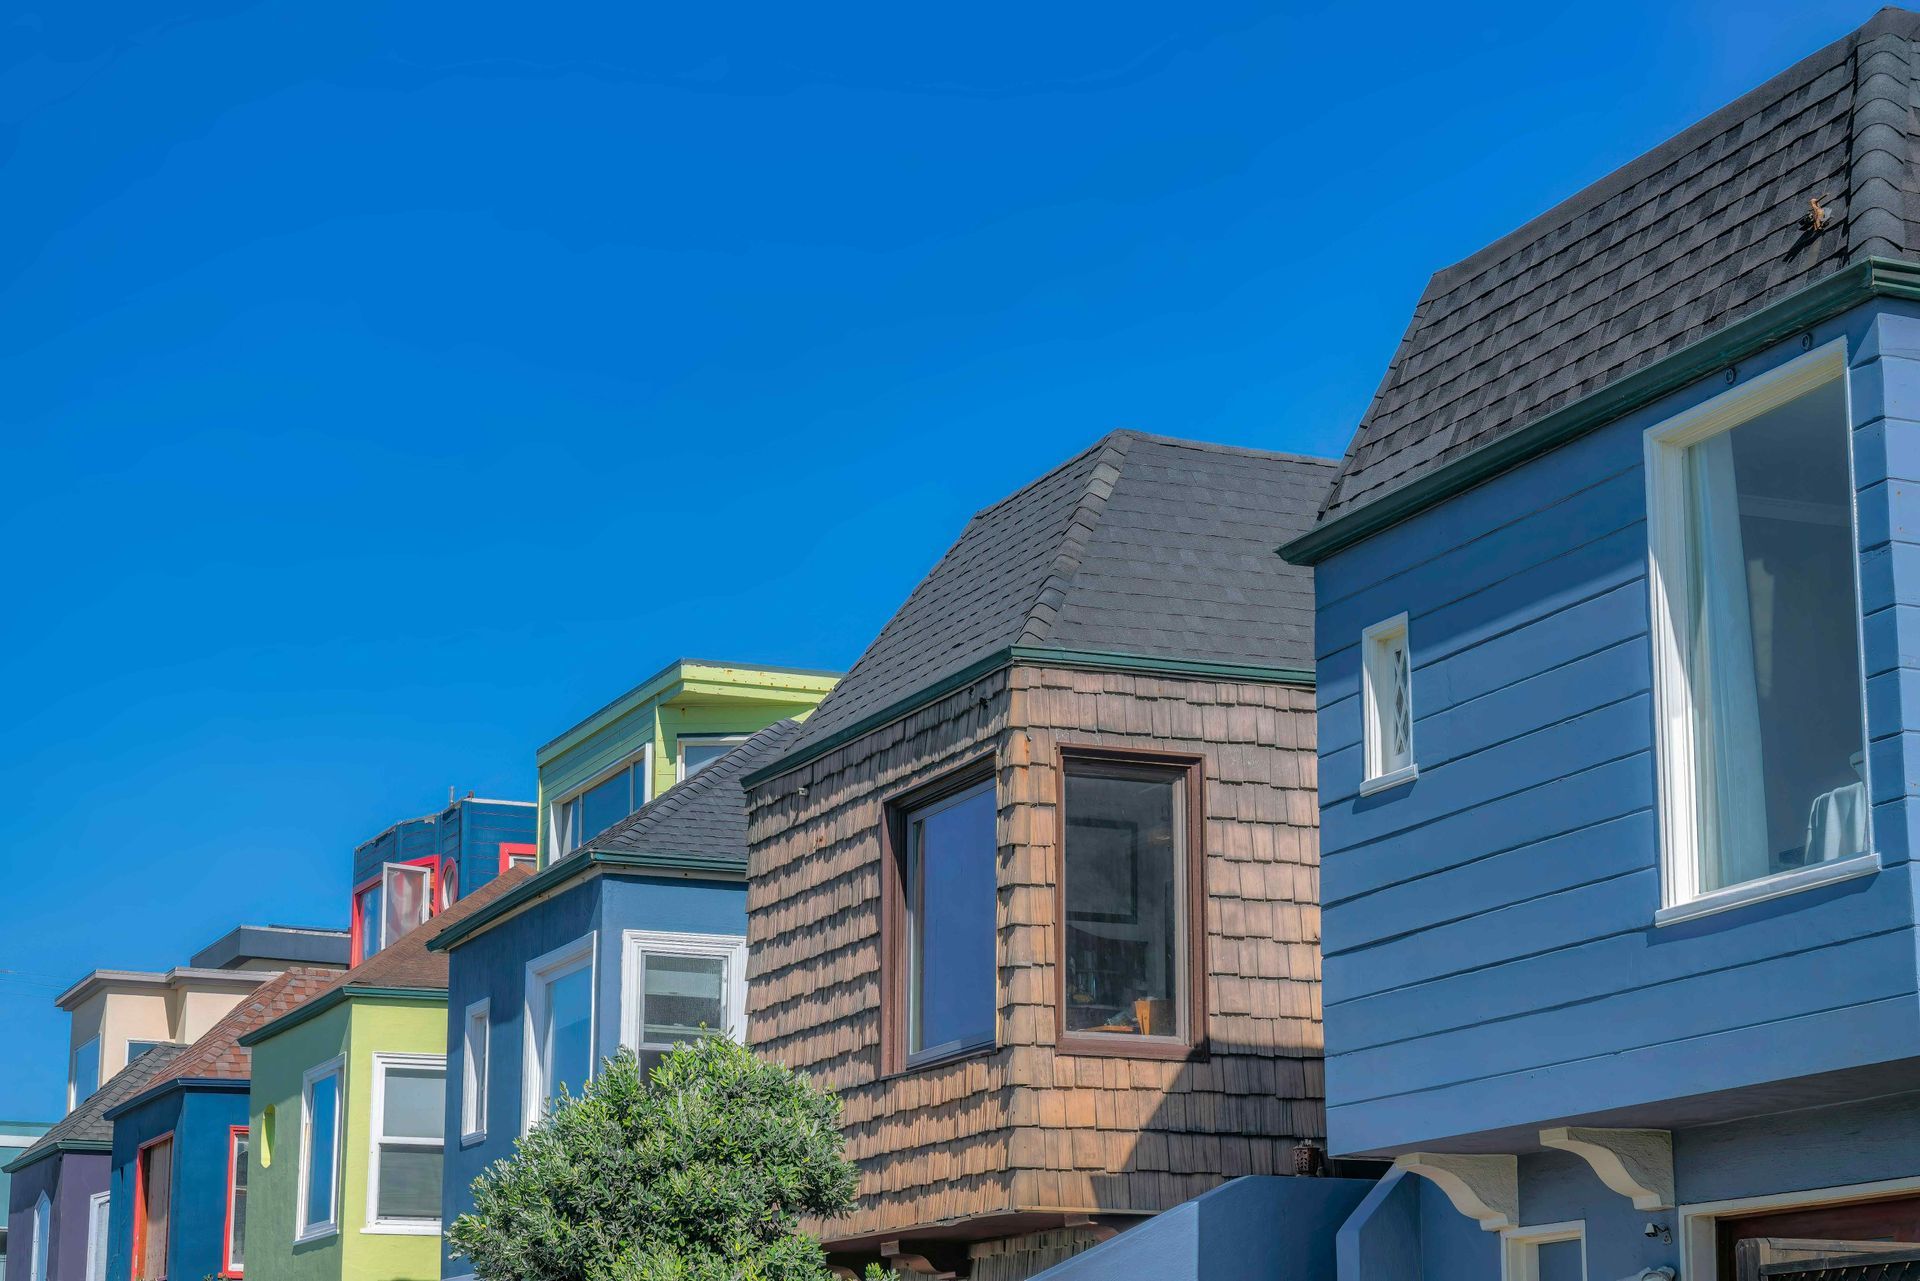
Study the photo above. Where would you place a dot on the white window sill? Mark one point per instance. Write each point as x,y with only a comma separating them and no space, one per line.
1776,886
1392,778
476,1136
319,1232
403,1228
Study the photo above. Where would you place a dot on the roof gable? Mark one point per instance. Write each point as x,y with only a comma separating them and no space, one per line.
1702,231
87,1126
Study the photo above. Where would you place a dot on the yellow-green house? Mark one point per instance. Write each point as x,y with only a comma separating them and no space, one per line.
348,1104
690,712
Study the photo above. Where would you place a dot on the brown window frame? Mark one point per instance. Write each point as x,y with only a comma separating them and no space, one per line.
1192,1043
893,913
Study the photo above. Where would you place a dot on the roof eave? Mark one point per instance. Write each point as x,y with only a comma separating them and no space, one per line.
335,997
59,1147
551,878
1872,277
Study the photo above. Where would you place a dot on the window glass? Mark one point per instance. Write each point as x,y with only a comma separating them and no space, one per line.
1125,927
367,912
473,1095
682,997
155,1211
1771,649
42,1230
411,1123
697,754
406,891
237,1206
566,1049
1559,1261
136,1048
605,804
322,1124
86,1072
949,882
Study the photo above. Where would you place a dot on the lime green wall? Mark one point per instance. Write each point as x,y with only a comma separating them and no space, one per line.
355,1030
685,698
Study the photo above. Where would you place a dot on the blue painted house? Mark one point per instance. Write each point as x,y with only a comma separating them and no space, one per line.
419,866
176,1194
1618,642
637,938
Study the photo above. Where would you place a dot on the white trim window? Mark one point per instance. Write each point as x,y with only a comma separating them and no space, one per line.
42,1236
1755,607
409,1124
99,1212
1548,1252
1386,706
83,1072
318,1211
694,752
476,1044
588,811
680,986
559,1027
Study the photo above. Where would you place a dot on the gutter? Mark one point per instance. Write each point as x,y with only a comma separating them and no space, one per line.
57,1148
578,864
1872,277
1035,655
339,996
215,1084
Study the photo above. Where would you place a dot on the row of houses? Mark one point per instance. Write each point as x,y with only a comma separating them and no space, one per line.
1487,855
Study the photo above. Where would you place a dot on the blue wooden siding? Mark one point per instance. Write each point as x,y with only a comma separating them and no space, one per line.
491,966
200,1120
470,832
1490,953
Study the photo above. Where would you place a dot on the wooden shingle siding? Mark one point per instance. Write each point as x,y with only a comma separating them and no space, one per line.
1026,1128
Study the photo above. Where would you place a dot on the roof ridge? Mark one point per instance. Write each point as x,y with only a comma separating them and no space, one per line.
1037,481
1237,451
1108,467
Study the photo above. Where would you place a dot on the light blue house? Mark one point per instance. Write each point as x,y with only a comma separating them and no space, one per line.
637,938
1618,641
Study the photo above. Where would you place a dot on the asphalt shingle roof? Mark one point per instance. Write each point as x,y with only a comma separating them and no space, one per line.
218,1055
88,1124
704,817
1142,545
1699,232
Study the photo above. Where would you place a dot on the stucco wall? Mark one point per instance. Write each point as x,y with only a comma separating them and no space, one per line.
69,1179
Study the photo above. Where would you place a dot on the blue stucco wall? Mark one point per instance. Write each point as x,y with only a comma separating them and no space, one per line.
1490,953
492,966
200,1119
69,1179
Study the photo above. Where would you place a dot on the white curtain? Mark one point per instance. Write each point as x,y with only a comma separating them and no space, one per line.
1720,667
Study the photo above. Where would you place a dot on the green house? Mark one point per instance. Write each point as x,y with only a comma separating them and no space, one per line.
663,730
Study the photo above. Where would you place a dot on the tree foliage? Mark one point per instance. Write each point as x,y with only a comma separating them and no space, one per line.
699,1171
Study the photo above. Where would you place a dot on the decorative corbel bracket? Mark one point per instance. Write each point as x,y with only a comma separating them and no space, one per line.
1638,1164
1484,1188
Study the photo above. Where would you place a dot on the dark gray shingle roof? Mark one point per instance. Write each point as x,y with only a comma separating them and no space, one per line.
88,1124
704,817
1142,545
1699,232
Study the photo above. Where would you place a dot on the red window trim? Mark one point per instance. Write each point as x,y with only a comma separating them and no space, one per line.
140,1200
509,850
356,927
234,1135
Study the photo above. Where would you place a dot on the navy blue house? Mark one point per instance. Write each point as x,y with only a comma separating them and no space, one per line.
638,939
1618,643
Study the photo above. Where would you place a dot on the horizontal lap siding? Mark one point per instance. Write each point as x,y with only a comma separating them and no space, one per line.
1026,1127
1491,958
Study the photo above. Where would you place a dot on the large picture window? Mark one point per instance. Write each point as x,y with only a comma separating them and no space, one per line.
409,1128
319,1151
678,987
1128,927
152,1208
592,810
947,869
559,1021
1757,636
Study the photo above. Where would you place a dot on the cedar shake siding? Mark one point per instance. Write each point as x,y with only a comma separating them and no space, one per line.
1023,1140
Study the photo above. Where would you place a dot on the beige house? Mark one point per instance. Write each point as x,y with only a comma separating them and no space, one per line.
116,1014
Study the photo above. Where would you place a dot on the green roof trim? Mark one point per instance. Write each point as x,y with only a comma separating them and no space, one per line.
1873,277
573,866
338,996
661,687
1039,656
55,1149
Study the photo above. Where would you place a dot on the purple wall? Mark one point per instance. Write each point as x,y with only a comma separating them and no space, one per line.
68,1179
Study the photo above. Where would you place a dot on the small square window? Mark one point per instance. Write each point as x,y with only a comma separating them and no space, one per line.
697,751
1386,706
679,987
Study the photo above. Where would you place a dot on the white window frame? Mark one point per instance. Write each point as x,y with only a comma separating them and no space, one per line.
1520,1248
1665,446
635,944
336,1068
40,1243
1375,776
1698,1236
74,1097
542,970
98,1227
377,1138
236,1135
644,757
680,742
475,1080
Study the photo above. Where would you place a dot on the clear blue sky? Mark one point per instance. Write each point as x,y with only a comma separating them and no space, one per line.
384,386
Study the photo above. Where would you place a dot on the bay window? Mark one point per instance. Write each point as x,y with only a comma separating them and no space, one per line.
409,1128
944,904
1757,638
1129,902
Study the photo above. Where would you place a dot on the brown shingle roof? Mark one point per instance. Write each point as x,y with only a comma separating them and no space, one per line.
218,1054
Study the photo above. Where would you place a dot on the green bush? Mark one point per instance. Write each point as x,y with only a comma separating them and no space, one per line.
699,1173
